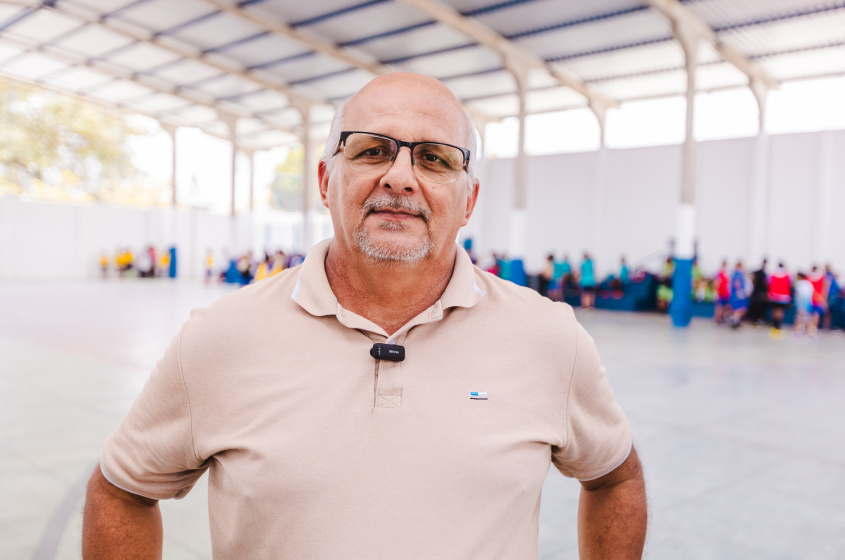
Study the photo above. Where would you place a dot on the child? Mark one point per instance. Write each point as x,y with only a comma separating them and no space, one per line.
723,294
780,296
739,296
803,306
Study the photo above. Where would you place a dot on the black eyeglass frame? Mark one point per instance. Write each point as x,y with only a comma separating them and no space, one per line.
401,144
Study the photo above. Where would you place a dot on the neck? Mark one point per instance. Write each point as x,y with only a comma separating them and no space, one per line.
388,294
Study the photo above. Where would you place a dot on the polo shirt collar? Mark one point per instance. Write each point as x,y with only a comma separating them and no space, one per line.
314,294
312,290
463,289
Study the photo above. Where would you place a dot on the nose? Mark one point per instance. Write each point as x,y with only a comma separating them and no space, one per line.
400,176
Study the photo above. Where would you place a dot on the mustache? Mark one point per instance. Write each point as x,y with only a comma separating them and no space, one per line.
397,203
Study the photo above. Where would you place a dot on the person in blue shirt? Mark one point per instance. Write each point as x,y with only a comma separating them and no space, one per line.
588,283
564,270
739,295
624,273
832,315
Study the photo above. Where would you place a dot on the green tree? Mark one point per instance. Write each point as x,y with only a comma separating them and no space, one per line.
286,190
57,146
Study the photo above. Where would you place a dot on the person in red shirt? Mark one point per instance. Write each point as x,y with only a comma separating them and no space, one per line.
820,286
723,294
780,296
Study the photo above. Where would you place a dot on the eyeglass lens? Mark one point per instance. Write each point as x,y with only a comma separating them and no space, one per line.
437,163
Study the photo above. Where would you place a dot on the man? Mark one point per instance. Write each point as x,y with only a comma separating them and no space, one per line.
317,449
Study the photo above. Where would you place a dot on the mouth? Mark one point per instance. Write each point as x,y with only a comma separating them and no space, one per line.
395,209
390,213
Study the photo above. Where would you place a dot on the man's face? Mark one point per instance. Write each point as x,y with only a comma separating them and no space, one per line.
394,216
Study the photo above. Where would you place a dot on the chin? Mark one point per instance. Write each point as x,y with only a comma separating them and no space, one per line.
393,251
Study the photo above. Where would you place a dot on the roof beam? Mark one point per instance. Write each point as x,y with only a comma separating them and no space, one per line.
156,85
212,60
681,16
310,41
510,51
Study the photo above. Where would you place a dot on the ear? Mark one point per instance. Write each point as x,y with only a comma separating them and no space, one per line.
472,198
323,179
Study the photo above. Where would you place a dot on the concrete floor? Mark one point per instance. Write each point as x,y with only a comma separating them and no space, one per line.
741,435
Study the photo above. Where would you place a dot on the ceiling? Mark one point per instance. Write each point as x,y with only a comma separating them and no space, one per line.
205,63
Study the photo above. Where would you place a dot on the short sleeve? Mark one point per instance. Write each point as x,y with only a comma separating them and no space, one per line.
598,437
152,453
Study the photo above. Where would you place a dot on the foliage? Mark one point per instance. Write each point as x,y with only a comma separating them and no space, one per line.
287,187
59,147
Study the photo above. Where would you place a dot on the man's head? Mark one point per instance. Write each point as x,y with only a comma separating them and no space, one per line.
399,211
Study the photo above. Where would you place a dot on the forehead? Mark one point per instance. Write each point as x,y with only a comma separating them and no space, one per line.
408,109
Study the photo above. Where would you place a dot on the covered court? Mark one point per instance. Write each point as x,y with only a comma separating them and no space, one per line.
646,128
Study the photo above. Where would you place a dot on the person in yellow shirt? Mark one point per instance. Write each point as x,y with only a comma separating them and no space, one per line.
278,263
104,264
164,263
209,266
263,270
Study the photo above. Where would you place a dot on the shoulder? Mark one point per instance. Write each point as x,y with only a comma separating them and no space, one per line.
521,307
244,310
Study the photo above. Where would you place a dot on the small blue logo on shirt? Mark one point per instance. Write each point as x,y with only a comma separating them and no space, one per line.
478,395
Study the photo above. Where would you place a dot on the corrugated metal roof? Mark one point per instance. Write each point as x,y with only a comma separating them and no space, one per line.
185,61
787,34
519,18
372,19
596,35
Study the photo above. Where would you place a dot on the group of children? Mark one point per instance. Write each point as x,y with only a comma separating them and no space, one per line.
245,269
559,278
815,296
147,264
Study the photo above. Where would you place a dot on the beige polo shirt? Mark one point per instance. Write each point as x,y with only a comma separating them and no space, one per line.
315,450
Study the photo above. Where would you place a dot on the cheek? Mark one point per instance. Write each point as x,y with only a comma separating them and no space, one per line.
449,211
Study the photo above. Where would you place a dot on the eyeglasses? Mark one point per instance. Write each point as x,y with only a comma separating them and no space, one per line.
367,152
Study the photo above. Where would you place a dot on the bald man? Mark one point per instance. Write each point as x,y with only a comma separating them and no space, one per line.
386,399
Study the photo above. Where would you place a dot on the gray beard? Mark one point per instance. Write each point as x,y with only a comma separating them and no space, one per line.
392,253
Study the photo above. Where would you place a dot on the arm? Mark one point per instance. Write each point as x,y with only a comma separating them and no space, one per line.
119,524
612,514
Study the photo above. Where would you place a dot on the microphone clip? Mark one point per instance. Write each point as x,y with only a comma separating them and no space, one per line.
389,352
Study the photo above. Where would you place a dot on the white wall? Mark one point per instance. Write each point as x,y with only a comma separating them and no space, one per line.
626,206
41,240
630,206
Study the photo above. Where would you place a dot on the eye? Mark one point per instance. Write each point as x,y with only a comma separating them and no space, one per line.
432,158
373,152
438,157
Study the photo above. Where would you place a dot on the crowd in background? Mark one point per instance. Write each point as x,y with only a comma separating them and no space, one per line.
814,295
147,263
812,298
246,268
560,278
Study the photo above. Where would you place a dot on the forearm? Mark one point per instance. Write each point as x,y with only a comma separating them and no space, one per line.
612,517
117,524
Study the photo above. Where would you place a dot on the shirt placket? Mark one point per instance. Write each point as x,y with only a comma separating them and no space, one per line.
389,382
388,375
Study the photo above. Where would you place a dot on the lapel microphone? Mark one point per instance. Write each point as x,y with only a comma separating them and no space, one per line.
389,352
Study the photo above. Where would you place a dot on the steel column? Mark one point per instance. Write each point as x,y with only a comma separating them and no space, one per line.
759,218
308,183
681,306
